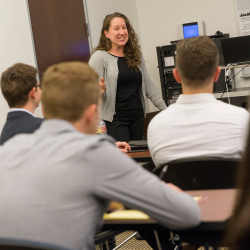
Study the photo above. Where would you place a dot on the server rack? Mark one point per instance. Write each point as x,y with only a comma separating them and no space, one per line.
170,88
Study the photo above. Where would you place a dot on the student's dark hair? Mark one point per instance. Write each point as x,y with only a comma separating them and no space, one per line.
238,231
131,49
196,59
16,83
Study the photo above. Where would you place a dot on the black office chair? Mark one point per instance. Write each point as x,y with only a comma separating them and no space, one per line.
14,244
106,240
200,173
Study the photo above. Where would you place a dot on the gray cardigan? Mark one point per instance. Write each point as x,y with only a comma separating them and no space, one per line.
106,66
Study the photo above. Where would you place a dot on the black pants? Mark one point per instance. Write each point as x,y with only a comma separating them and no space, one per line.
127,125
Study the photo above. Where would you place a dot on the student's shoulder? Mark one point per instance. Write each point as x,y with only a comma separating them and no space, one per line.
164,115
32,121
39,120
233,109
94,142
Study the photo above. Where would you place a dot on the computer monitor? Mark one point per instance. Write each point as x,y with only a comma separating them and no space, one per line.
236,50
190,30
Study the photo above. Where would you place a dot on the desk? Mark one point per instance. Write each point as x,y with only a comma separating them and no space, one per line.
215,213
141,156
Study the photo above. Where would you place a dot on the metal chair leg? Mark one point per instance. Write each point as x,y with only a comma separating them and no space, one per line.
126,240
107,244
99,247
157,240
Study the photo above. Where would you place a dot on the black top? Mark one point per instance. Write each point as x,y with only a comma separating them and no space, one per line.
129,83
19,122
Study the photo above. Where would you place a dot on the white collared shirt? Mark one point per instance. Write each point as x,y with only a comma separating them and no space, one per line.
20,109
198,125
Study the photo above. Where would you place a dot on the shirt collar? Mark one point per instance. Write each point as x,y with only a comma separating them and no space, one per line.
196,98
57,124
20,109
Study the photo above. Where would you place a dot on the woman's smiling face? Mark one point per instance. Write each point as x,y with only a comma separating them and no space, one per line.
117,33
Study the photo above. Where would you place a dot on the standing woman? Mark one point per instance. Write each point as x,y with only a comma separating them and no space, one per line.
124,79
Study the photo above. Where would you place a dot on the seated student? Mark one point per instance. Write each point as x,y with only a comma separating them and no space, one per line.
238,231
23,94
57,182
197,124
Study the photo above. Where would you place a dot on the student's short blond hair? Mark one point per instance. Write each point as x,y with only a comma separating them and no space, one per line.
68,89
197,59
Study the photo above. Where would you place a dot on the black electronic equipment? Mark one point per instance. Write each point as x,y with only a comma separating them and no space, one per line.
236,50
166,63
216,38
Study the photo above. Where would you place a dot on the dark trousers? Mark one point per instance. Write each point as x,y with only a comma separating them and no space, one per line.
127,125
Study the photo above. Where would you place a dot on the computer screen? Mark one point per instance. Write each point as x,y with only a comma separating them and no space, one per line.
190,30
236,49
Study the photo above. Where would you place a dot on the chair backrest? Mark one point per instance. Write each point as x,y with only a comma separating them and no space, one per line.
147,119
201,173
16,244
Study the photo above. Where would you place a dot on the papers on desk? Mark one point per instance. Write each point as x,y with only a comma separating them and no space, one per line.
126,214
201,199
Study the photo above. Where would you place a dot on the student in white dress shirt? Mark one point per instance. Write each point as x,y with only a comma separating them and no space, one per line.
197,124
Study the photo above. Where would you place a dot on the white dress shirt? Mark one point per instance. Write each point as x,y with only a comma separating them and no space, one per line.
198,125
20,109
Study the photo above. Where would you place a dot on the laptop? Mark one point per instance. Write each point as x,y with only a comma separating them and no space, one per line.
236,50
138,146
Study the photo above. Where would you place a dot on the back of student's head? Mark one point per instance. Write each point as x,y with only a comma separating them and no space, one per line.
196,60
68,89
16,83
238,232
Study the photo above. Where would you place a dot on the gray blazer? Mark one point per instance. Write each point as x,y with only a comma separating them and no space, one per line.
57,182
106,66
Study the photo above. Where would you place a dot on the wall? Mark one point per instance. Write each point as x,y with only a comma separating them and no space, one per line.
159,19
156,23
15,44
98,9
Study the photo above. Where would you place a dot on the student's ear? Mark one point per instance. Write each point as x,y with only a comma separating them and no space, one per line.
43,112
32,93
217,74
89,113
176,75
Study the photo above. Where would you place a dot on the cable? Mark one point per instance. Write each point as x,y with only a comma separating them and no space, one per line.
228,94
239,72
226,83
230,80
227,75
232,77
228,66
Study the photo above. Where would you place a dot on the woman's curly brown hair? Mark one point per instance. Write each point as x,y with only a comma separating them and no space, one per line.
132,50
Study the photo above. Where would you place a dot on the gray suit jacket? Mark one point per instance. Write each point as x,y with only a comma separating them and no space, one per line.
56,183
